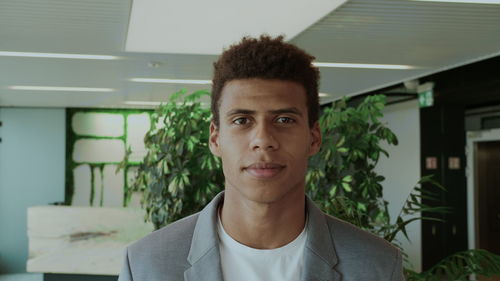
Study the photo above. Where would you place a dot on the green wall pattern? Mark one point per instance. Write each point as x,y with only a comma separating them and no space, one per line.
72,164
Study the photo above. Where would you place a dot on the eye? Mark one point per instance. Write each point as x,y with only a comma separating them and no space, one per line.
240,121
284,120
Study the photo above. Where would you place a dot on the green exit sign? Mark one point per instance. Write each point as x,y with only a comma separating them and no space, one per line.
426,98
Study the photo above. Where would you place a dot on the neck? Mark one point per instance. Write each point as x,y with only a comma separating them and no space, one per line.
263,225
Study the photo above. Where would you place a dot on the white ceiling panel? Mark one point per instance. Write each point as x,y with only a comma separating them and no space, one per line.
206,27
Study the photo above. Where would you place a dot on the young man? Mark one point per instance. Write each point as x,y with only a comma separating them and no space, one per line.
263,227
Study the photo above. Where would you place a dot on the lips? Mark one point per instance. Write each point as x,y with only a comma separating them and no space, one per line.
264,170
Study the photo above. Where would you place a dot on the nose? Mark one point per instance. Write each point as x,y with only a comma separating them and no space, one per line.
263,138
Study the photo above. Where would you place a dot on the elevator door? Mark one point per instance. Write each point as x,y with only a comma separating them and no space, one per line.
488,196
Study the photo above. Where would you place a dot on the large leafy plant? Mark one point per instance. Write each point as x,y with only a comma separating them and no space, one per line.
341,177
179,175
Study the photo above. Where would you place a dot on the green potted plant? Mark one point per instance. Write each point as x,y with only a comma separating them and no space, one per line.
178,175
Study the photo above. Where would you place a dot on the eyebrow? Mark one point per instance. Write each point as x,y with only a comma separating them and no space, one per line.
289,110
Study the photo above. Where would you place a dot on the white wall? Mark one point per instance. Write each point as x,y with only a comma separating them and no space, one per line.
402,169
32,168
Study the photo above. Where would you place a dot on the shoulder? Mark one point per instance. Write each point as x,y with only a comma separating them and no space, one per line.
174,232
164,250
362,254
174,236
352,235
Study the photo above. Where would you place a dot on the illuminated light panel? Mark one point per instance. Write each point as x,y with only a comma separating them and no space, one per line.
66,89
324,95
363,65
57,56
464,1
171,81
157,103
150,20
149,103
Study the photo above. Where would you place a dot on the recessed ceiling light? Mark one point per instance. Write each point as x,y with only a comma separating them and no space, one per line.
57,55
66,89
363,65
171,81
464,1
152,103
157,103
323,94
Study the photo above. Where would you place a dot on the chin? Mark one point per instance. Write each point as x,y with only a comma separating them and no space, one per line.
266,194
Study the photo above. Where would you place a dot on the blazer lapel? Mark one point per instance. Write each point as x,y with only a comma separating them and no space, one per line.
204,255
320,257
207,268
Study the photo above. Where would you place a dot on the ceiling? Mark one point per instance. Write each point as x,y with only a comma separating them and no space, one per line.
473,86
154,25
430,36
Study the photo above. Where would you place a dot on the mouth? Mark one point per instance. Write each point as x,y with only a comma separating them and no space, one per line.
264,170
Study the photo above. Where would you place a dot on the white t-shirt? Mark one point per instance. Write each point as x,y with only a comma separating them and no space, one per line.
242,263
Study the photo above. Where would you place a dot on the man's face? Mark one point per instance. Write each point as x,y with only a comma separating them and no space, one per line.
264,138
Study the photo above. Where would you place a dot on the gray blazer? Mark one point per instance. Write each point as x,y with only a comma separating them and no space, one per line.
188,250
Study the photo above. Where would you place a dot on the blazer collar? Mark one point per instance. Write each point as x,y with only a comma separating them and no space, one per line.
320,257
204,255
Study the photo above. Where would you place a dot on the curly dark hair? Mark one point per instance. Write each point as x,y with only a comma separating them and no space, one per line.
266,58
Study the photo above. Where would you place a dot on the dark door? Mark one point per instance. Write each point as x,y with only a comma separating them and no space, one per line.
488,196
442,132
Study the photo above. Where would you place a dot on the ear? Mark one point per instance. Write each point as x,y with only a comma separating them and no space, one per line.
315,139
213,140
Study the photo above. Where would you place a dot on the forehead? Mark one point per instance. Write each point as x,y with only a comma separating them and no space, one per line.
262,94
